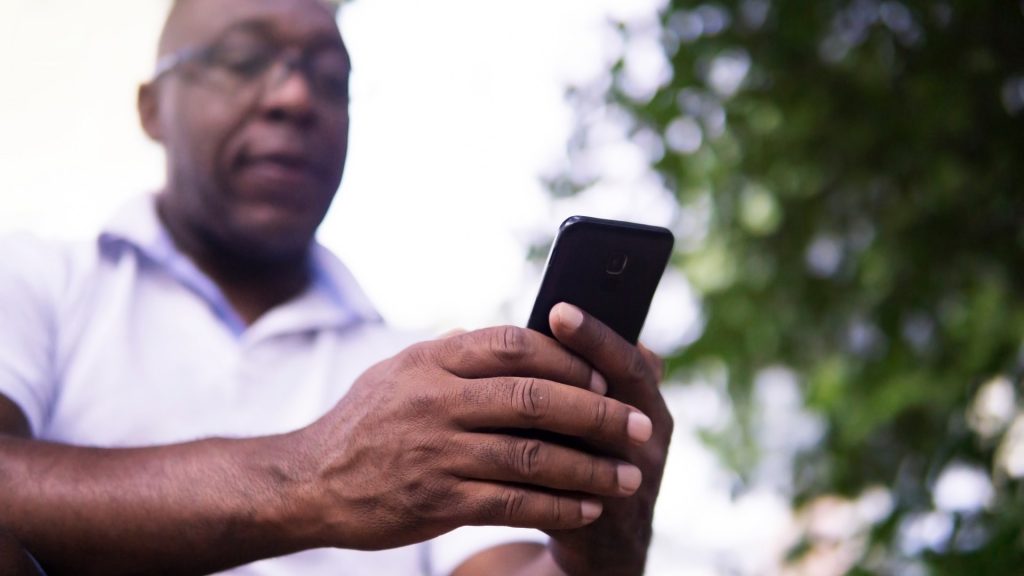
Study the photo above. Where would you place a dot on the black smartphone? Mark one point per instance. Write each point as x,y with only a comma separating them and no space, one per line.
608,268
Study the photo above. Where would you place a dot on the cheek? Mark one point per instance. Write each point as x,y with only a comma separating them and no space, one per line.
200,129
338,142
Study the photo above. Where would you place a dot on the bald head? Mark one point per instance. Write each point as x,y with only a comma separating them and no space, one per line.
192,22
254,123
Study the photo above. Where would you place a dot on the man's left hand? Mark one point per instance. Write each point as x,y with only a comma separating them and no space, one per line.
617,542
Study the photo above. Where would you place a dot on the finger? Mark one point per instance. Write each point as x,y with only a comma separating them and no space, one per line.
619,361
491,504
519,460
514,351
452,332
533,403
657,363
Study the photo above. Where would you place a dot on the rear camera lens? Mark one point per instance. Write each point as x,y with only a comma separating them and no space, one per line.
617,264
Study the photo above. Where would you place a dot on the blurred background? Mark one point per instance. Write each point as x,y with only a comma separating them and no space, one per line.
845,178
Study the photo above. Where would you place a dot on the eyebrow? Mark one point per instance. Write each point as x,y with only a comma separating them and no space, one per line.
257,26
321,41
263,28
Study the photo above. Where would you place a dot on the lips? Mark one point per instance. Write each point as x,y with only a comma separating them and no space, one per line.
280,166
274,167
281,177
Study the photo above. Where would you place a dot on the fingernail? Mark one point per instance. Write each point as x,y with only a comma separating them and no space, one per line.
598,385
591,509
639,427
570,315
629,477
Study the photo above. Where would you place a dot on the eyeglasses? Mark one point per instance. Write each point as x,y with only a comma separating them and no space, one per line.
241,66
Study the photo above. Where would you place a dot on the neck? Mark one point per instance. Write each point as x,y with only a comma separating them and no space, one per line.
251,284
254,291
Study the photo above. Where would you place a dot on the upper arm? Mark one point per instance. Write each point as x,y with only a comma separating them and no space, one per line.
12,419
32,274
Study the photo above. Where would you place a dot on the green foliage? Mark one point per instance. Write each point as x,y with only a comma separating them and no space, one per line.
867,195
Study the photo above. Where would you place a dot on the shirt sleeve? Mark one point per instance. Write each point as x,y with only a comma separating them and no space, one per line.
30,272
450,550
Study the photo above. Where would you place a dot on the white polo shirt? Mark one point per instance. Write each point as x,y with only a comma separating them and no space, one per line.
124,342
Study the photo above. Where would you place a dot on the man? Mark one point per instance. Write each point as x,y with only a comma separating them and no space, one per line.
197,390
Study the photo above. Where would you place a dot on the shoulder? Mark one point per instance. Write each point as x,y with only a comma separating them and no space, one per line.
33,266
45,266
25,247
34,277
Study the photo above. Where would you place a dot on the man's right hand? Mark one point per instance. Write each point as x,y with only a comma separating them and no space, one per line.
417,447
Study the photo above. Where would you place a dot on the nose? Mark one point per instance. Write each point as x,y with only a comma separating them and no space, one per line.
287,93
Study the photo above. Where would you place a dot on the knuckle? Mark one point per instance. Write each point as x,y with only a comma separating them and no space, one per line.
423,402
593,472
432,401
637,369
602,475
417,356
525,457
510,344
513,504
662,416
434,500
426,449
658,365
599,340
556,514
473,394
455,348
600,415
530,398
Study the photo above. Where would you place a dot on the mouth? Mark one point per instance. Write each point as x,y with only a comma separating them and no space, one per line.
283,179
289,168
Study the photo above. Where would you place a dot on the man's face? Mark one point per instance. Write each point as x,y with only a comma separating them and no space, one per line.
255,154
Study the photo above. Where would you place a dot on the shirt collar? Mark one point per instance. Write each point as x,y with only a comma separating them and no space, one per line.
333,299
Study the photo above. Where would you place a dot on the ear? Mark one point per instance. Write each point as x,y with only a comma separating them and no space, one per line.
149,111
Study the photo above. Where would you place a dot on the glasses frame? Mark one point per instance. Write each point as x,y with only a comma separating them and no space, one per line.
170,62
292,60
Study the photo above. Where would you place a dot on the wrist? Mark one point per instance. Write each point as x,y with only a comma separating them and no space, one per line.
290,510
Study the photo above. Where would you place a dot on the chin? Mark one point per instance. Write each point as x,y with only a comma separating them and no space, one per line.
270,234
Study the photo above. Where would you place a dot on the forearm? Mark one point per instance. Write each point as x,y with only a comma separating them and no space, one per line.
181,509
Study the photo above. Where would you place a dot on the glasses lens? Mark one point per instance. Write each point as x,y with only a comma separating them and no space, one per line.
246,64
243,63
240,59
328,72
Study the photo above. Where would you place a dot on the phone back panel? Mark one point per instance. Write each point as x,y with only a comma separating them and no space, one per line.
610,269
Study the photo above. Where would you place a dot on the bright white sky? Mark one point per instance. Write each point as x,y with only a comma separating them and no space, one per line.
457,108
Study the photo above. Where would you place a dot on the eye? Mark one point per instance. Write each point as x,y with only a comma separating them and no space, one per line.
330,72
333,86
247,62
